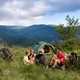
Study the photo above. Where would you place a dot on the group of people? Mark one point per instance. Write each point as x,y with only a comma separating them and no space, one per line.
57,60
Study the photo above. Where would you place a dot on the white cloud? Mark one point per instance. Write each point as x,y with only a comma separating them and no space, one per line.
16,12
29,11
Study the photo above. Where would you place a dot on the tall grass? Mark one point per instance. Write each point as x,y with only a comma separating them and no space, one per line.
16,70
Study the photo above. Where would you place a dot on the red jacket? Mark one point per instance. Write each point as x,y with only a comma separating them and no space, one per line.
60,56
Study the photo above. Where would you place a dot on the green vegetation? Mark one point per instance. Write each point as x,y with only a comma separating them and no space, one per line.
16,70
68,34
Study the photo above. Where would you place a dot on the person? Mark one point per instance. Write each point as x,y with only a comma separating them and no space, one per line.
58,58
70,59
29,57
40,58
73,58
46,49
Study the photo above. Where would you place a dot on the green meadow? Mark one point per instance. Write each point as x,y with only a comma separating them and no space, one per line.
16,70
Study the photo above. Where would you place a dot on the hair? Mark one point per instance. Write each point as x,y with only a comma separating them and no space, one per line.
28,51
59,48
74,54
46,49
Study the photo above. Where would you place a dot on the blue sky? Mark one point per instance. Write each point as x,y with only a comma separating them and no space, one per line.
29,12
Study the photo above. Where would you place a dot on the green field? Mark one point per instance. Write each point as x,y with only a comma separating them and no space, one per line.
16,70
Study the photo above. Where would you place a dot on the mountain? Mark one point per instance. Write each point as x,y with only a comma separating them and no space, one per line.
28,35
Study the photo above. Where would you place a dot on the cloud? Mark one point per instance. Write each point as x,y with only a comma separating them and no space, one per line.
27,11
20,10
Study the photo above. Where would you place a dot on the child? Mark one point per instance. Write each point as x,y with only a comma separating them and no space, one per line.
29,58
58,58
40,58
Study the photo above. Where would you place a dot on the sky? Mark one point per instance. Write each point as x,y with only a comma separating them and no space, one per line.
30,12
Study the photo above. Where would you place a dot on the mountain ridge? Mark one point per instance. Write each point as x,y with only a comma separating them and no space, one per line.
29,35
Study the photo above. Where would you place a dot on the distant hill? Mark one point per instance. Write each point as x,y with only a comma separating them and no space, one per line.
28,35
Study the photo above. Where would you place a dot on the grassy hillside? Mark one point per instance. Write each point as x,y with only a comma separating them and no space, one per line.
16,70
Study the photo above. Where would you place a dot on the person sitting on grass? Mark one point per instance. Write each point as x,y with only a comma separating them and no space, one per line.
71,59
29,57
57,59
40,58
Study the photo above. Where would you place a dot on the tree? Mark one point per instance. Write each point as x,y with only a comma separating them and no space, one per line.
68,33
72,21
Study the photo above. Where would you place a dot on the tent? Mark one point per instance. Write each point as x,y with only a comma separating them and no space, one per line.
42,44
48,48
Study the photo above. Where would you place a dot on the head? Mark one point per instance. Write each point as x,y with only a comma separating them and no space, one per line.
29,51
46,49
74,54
56,50
41,51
